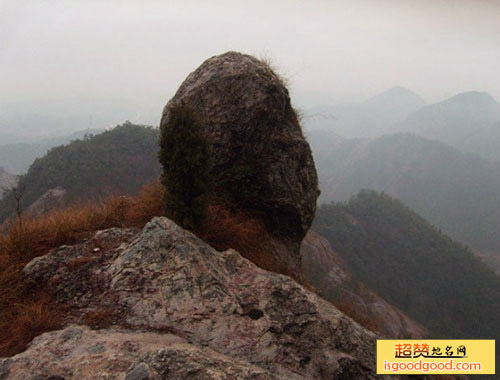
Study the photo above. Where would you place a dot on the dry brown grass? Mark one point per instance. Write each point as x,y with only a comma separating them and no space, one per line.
25,310
149,203
352,310
227,227
26,320
75,264
36,236
100,319
273,69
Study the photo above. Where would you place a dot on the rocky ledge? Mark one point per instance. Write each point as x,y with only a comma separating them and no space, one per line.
179,309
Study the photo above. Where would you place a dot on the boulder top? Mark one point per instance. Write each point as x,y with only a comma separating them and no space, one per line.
261,161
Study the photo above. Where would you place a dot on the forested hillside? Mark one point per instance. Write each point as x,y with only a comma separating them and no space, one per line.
436,281
457,192
118,161
17,157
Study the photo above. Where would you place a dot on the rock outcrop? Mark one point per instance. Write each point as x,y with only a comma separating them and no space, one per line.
176,308
260,158
326,271
50,200
78,352
7,181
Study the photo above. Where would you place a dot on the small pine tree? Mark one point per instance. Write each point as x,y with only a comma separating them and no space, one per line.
184,155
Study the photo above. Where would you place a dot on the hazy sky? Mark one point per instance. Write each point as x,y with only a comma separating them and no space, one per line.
140,51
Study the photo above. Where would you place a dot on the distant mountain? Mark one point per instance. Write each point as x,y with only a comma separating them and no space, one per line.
485,143
457,192
17,157
468,121
367,119
394,103
118,161
8,138
30,118
324,141
399,255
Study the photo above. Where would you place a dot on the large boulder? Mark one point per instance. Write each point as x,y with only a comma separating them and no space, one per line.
196,304
261,161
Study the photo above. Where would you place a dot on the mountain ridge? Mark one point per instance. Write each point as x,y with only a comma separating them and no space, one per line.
413,265
117,161
457,121
458,192
17,157
368,118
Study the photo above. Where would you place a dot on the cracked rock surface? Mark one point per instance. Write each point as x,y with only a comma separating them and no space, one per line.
80,353
183,310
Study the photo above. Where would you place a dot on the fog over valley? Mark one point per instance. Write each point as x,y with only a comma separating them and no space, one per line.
75,65
249,190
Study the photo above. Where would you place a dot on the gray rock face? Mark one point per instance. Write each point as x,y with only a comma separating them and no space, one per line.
261,160
80,353
222,310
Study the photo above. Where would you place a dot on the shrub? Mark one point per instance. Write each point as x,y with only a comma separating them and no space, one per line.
184,155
